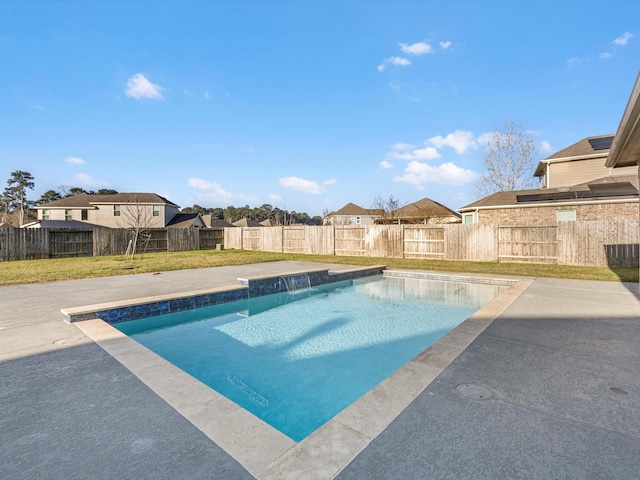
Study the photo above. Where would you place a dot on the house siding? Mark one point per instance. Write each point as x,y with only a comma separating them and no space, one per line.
567,174
350,219
548,215
103,215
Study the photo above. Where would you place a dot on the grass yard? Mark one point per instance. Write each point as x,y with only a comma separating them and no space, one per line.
32,271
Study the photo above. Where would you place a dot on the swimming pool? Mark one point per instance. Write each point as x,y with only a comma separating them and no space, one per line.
297,359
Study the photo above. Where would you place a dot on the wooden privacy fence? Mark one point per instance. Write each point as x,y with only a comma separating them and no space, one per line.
29,244
597,243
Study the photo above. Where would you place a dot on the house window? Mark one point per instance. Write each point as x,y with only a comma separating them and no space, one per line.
116,210
468,218
156,210
45,214
357,220
566,215
84,215
68,214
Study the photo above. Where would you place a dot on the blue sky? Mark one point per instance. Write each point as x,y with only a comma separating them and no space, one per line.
302,105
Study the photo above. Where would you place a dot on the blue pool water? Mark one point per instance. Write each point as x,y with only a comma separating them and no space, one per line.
297,359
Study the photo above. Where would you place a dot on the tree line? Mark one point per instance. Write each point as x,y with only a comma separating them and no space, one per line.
276,215
17,209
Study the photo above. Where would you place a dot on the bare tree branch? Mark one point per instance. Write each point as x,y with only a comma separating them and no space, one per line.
510,162
387,207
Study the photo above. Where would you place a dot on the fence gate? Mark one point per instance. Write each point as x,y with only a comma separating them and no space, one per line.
211,237
70,243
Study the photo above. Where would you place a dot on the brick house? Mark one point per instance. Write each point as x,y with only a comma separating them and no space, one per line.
575,184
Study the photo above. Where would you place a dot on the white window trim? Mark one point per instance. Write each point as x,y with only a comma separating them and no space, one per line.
567,213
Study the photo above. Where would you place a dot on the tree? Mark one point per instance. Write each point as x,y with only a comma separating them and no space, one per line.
387,207
6,205
136,217
16,192
48,196
76,191
510,162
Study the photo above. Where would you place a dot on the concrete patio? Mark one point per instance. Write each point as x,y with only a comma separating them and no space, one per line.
558,369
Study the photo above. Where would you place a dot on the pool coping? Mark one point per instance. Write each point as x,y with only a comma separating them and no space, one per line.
249,286
269,454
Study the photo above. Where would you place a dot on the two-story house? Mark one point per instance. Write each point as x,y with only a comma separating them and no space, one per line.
120,210
574,184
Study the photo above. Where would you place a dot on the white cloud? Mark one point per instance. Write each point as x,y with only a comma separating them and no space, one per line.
403,62
140,87
187,92
206,96
214,190
84,180
545,147
533,132
426,153
419,48
302,185
74,160
36,106
605,55
385,164
275,198
485,138
418,173
400,61
574,61
623,39
403,147
460,141
445,45
331,181
214,193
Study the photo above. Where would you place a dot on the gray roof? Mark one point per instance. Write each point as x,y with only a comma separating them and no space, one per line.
583,148
353,209
246,222
62,224
85,200
184,220
576,192
211,222
424,208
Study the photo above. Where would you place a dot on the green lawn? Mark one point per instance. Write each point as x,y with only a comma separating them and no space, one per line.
32,271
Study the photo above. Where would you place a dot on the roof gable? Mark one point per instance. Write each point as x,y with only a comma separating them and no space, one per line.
424,208
183,220
353,209
246,222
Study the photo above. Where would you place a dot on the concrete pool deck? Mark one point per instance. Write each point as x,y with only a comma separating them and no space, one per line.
558,368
